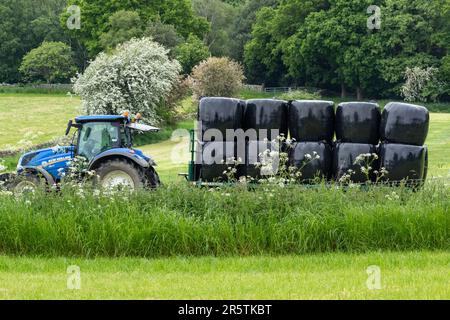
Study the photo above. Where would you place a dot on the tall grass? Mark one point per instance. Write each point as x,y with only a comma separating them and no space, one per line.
182,220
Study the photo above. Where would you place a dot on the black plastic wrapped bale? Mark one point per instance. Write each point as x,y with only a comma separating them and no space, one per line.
345,156
220,114
303,156
264,153
266,114
404,162
358,122
404,123
212,159
311,120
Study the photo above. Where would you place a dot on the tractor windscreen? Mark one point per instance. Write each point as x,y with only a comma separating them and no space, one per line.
97,137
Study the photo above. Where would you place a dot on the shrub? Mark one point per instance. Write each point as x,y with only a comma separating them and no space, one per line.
50,62
137,76
217,77
421,85
300,95
191,53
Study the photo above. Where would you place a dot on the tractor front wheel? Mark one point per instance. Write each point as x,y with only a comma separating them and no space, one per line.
26,182
115,174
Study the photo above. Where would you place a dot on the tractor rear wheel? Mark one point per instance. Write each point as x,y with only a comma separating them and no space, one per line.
153,180
114,174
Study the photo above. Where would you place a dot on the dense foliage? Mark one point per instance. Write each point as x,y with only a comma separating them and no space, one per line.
328,43
137,77
217,77
191,53
24,25
52,62
179,219
96,15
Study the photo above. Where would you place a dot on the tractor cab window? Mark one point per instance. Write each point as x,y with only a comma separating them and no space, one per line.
97,137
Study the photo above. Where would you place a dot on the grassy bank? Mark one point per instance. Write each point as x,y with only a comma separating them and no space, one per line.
408,275
183,220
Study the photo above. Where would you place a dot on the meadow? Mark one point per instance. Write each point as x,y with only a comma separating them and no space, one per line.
185,242
404,275
178,219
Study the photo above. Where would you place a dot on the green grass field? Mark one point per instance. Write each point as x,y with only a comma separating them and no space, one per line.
406,275
36,118
272,243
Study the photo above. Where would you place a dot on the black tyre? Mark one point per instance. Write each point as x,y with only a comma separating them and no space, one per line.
26,182
120,174
153,180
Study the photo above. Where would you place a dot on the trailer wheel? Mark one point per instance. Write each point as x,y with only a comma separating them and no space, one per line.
114,174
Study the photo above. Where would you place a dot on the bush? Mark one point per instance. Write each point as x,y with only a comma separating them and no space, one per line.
51,62
219,77
422,85
191,53
138,76
300,95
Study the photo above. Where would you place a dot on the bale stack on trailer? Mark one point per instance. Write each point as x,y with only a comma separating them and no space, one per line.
404,129
357,133
216,116
393,140
268,118
311,126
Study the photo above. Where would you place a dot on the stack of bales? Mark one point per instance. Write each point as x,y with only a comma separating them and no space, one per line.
311,126
358,126
404,128
268,117
216,115
357,133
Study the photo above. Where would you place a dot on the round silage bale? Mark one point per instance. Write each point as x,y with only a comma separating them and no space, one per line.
404,123
313,159
345,156
220,115
267,116
404,162
358,122
311,120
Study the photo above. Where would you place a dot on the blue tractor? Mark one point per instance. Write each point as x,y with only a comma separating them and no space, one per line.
106,144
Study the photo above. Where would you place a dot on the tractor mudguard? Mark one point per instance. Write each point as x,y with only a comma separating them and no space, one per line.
136,158
48,177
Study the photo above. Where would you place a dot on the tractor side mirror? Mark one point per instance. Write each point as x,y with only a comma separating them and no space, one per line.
69,126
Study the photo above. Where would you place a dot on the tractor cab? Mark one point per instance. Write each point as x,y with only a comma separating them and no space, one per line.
97,134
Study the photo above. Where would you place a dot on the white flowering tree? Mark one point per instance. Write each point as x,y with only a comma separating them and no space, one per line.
136,77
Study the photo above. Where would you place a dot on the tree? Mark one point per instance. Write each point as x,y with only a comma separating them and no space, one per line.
242,25
220,77
51,62
327,43
137,76
191,53
124,25
220,15
165,34
24,25
96,13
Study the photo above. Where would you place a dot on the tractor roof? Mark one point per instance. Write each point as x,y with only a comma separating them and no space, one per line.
109,118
